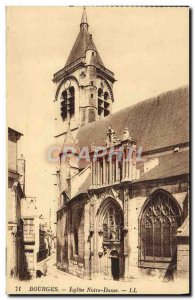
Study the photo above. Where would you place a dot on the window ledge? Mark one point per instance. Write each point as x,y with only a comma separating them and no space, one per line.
156,265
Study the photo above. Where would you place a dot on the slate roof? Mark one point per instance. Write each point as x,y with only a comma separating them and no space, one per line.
171,164
85,186
83,42
155,123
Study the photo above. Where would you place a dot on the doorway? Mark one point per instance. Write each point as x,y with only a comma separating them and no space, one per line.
115,267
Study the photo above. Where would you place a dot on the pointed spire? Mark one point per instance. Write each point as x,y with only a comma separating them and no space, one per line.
69,139
83,42
84,23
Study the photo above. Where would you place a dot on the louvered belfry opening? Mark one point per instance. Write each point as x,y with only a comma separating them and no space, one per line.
68,104
159,222
103,103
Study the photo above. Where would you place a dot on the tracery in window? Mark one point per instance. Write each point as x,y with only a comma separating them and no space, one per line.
159,223
112,224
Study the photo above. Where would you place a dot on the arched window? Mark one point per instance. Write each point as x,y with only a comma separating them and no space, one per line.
64,105
112,224
159,222
100,92
106,96
68,103
76,242
71,102
103,103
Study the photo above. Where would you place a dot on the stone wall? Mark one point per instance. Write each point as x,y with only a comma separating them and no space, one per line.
138,197
83,215
183,260
71,218
12,155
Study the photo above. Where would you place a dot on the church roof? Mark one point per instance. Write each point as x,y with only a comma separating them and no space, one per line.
155,123
83,42
169,165
159,122
84,186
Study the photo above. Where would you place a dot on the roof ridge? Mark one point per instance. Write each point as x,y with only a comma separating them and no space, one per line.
163,94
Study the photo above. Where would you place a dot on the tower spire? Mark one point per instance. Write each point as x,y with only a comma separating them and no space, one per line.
84,23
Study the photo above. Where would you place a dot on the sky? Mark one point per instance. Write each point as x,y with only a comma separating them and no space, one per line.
146,48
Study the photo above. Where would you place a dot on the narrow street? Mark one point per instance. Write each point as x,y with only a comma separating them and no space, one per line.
53,272
59,282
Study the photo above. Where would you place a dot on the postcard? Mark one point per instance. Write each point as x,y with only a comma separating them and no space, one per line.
98,190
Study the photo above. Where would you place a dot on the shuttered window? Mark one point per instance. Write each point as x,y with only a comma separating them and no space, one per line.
68,104
103,103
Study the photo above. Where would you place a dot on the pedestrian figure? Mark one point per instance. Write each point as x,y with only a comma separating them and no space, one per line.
44,269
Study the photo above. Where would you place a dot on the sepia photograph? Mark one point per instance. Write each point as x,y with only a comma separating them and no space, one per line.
98,149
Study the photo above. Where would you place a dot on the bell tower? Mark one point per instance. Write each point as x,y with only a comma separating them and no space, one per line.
84,87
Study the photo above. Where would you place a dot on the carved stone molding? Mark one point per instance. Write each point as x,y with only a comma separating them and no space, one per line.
125,230
100,253
91,232
100,231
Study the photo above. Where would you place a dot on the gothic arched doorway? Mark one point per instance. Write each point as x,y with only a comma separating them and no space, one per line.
115,265
111,240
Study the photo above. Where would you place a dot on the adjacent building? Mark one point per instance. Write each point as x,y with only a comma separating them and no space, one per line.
46,237
24,236
15,240
31,234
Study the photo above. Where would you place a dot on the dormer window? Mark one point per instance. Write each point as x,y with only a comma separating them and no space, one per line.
68,104
103,103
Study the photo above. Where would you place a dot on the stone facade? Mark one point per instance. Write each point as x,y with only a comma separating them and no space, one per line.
46,241
183,249
117,219
31,235
89,248
90,82
99,255
70,242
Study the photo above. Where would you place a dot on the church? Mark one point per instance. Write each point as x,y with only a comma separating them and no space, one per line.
123,208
